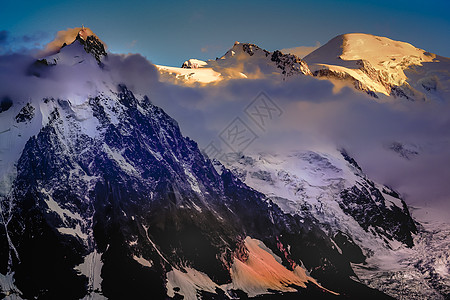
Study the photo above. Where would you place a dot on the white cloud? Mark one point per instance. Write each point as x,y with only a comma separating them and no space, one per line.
315,115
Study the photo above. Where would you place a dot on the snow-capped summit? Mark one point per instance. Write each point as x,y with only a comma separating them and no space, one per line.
247,48
72,52
92,45
268,63
380,65
84,33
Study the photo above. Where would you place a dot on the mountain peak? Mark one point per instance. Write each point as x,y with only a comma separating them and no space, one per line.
91,44
245,48
375,49
243,60
374,64
84,35
72,46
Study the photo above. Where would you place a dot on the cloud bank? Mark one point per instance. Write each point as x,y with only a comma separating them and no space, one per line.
315,116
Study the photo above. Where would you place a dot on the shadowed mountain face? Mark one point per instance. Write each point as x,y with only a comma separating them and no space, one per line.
138,189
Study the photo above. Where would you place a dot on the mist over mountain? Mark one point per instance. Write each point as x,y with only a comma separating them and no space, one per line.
124,179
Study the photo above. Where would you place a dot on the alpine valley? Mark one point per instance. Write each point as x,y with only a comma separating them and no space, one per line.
103,197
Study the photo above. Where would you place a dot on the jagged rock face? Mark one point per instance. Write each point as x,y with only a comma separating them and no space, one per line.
250,49
5,104
407,92
404,150
25,114
193,64
93,46
142,197
367,206
290,64
72,54
345,76
366,203
379,77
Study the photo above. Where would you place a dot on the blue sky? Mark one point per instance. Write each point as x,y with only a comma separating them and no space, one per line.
169,32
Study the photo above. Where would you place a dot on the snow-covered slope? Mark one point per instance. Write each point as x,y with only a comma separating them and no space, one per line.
319,183
256,270
374,229
380,65
189,75
72,55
